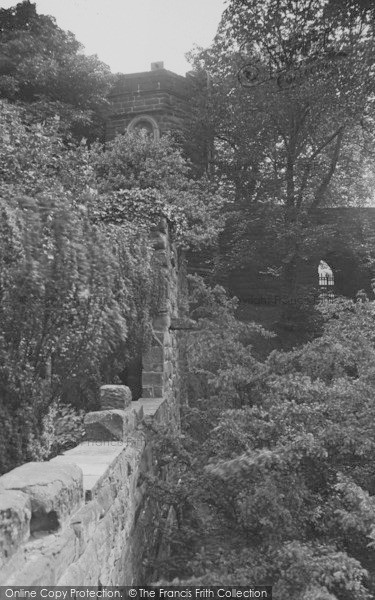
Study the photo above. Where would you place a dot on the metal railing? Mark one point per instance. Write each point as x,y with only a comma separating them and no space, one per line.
327,287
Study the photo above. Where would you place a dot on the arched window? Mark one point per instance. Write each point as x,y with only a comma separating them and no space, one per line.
146,123
326,281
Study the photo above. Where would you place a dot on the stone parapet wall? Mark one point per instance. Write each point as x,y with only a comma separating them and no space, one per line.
161,361
84,517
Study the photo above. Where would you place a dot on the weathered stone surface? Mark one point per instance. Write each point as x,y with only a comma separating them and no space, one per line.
94,458
104,425
43,560
54,489
35,569
15,514
115,396
74,576
62,549
107,539
84,523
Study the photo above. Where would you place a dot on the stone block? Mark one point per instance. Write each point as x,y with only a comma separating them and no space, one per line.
115,396
15,515
55,490
104,425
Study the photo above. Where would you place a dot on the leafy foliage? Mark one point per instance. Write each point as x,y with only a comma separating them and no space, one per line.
284,111
220,351
44,66
143,180
75,297
284,479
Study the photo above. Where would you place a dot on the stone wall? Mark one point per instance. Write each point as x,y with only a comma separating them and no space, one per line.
85,517
160,362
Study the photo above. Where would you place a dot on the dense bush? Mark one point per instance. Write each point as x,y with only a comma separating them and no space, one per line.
141,180
280,486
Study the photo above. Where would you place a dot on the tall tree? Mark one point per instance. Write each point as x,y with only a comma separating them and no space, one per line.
41,64
289,113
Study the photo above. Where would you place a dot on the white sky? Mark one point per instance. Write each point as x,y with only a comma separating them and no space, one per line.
130,34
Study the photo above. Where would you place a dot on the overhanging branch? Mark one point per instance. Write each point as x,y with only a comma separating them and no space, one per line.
320,192
337,134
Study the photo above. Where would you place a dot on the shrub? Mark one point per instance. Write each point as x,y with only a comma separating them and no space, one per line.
285,477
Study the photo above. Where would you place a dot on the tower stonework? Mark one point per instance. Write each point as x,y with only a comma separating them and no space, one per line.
156,100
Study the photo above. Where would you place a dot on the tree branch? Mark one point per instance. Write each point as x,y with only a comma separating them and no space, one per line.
320,192
339,134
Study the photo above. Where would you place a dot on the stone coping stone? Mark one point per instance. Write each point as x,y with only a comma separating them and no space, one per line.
111,425
115,397
34,491
93,459
104,425
54,491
